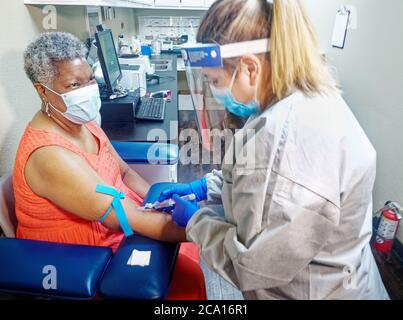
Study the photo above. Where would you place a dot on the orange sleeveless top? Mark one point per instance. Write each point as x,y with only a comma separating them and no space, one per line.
40,219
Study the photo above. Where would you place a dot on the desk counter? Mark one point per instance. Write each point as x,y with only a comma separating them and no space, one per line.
143,131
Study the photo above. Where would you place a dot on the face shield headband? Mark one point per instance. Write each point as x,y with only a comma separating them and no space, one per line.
205,59
211,55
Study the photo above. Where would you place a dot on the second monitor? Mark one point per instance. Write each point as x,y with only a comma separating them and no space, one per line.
146,109
109,61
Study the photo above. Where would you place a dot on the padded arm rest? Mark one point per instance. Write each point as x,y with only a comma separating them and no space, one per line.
122,281
74,270
147,153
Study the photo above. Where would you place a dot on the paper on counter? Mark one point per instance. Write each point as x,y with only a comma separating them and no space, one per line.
139,258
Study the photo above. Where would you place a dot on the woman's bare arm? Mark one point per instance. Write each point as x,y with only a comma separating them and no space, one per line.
69,182
130,177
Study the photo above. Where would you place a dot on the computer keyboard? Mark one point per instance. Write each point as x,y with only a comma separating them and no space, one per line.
152,109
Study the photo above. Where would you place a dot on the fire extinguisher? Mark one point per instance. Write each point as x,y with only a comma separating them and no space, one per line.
387,229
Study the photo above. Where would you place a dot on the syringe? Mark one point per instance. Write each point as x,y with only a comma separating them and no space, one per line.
167,203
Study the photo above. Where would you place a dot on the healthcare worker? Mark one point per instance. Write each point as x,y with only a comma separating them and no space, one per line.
298,212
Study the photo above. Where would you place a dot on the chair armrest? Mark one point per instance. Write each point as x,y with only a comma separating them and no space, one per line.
8,220
122,281
74,270
147,153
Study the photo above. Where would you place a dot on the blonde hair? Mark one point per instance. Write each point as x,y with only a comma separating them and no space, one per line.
295,59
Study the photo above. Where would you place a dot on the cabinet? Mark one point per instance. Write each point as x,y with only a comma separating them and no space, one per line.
144,2
67,2
193,3
208,3
167,3
151,4
111,3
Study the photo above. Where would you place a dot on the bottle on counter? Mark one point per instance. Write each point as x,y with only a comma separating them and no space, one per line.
136,45
156,46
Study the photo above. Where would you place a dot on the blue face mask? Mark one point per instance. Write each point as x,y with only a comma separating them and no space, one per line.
225,97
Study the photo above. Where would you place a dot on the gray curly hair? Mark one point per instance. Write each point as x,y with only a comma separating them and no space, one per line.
50,47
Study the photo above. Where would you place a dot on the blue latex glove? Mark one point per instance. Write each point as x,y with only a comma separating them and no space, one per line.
183,211
198,187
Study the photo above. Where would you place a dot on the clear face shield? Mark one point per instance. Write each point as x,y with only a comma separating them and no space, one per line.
207,77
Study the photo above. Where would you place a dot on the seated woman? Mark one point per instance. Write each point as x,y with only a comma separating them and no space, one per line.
63,155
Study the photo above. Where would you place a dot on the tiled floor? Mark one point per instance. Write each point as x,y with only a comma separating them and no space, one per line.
392,274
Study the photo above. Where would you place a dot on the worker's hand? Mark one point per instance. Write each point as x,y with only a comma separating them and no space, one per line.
198,187
183,211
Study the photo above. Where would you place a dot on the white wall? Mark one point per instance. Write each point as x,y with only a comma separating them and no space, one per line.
125,16
18,101
370,70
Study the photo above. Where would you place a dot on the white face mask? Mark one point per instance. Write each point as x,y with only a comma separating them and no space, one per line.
82,104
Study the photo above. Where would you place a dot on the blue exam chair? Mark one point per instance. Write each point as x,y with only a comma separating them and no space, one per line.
63,271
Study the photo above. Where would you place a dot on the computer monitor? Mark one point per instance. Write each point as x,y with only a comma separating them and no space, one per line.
108,59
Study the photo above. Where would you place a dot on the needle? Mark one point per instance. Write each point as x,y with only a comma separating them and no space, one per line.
167,203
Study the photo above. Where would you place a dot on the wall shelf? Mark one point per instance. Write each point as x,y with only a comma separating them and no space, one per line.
111,3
